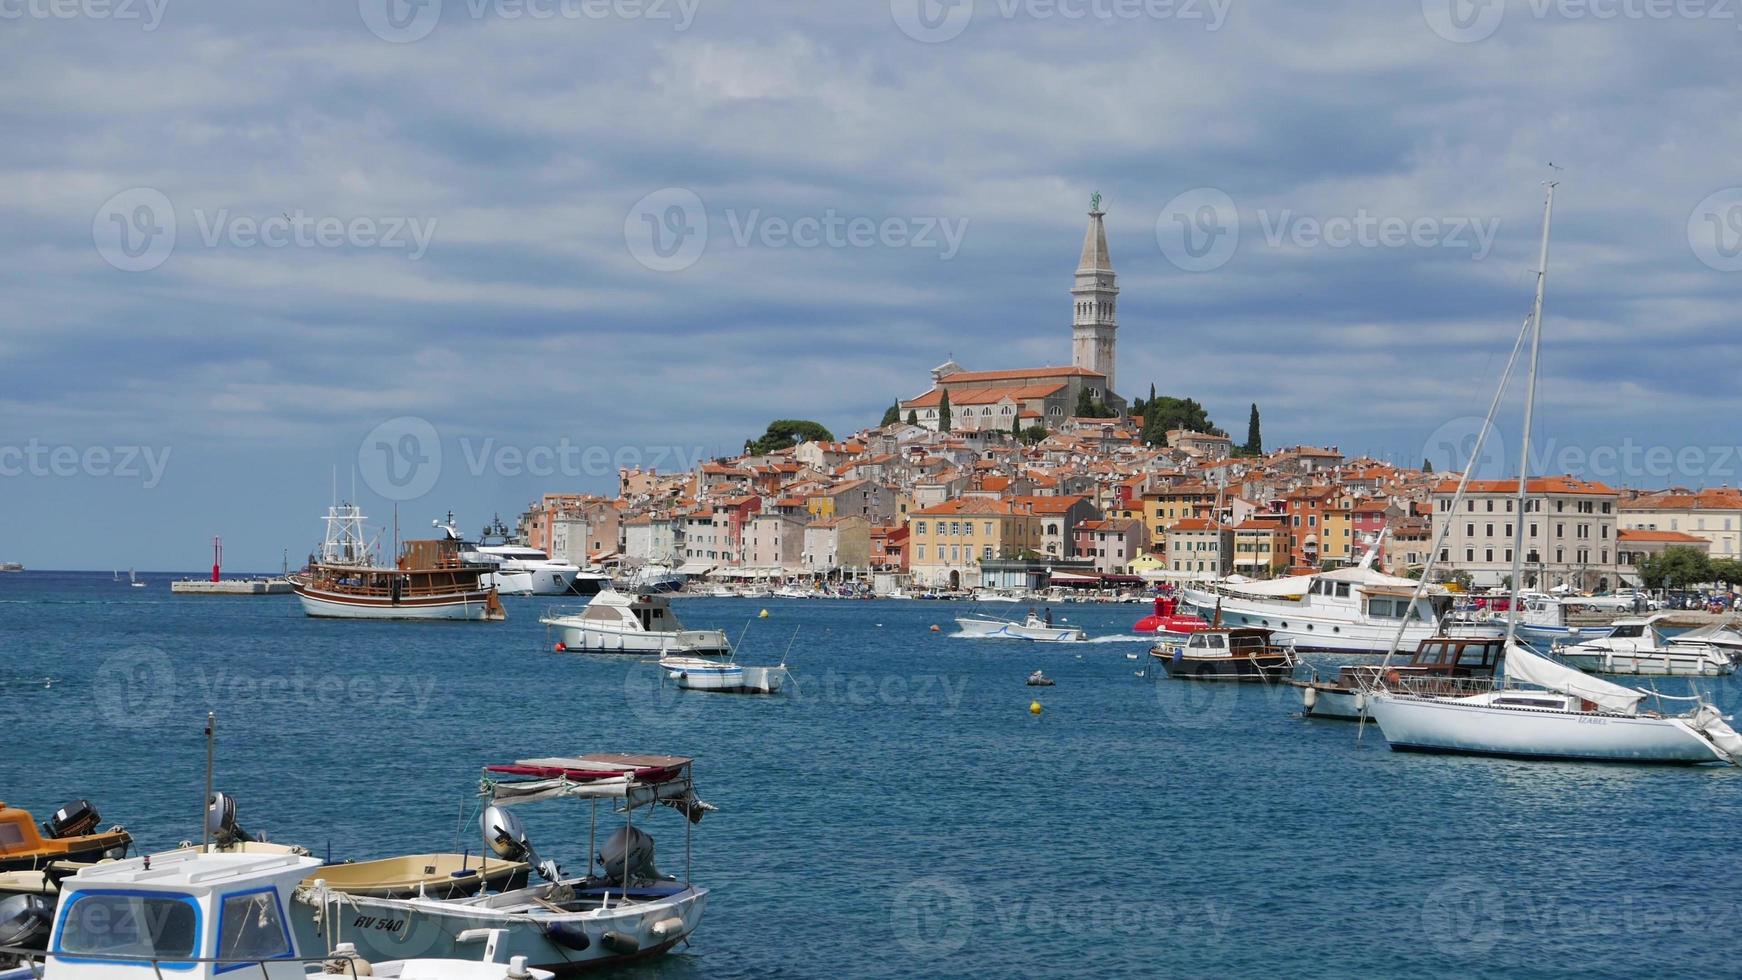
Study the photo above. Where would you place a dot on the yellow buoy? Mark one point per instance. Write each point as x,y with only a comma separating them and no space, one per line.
762,615
1034,707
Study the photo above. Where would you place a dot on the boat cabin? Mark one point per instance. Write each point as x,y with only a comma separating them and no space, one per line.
1441,665
643,613
1243,641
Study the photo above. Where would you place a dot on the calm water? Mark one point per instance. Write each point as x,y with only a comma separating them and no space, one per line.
902,813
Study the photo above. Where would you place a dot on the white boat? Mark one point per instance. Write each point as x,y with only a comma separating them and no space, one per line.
617,622
1543,619
515,569
431,581
1347,610
1033,628
201,915
1548,710
793,592
1723,637
622,909
133,580
1442,665
1638,646
699,674
993,595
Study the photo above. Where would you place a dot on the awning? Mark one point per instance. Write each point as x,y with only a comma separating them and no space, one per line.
696,567
1070,578
638,780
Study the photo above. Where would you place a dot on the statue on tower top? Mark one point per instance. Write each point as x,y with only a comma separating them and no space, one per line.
1095,203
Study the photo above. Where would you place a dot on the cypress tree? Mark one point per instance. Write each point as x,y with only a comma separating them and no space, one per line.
944,413
1254,436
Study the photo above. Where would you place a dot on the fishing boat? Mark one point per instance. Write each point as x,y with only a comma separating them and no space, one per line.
200,915
1033,628
1167,620
700,674
71,834
1639,646
622,909
639,623
1440,665
1226,653
431,580
1544,709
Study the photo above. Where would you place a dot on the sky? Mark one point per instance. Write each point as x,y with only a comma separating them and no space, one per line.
457,253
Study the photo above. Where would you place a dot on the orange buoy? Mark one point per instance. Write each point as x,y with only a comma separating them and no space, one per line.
561,648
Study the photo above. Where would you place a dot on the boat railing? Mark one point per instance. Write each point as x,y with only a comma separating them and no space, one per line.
36,960
1422,684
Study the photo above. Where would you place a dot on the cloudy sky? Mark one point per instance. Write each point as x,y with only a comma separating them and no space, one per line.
464,251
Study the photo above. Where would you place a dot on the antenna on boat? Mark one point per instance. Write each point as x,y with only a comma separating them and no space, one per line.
206,801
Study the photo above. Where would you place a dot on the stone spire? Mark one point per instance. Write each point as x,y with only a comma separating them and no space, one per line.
1094,309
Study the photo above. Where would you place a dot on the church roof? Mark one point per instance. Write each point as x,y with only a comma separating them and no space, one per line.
1019,374
984,396
1095,258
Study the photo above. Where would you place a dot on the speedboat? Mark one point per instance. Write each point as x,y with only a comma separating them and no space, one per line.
622,909
993,595
617,622
1226,653
700,674
1033,628
70,835
201,915
1440,665
1168,621
1638,646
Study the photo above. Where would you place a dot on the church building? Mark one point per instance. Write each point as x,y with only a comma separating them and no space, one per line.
1042,395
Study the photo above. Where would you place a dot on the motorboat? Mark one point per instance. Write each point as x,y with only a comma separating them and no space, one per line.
1638,646
1167,620
1346,610
648,578
701,674
430,581
793,592
199,915
1440,665
517,569
623,908
1227,653
995,595
1723,637
71,834
431,875
640,623
1033,628
1544,619
1039,679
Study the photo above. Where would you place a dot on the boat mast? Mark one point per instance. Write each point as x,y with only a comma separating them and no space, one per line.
1529,414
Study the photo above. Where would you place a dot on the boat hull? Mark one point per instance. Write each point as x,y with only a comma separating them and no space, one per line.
1018,631
1467,726
592,639
1244,669
1653,664
725,678
1309,632
470,605
1330,701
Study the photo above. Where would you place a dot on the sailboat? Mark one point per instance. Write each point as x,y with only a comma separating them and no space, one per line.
1546,709
133,580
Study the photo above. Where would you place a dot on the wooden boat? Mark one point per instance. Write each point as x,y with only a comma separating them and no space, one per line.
71,835
423,875
430,580
1240,653
1443,665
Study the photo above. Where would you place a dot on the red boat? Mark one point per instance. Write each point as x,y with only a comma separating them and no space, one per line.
1167,619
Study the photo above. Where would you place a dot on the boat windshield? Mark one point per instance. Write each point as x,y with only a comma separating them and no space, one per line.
250,927
130,924
1629,630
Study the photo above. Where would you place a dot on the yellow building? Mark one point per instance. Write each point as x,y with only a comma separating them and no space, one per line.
1337,543
1260,549
947,542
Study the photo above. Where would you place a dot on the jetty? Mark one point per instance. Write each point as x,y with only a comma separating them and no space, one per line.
232,586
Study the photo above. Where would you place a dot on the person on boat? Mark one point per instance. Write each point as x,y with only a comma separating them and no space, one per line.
1049,615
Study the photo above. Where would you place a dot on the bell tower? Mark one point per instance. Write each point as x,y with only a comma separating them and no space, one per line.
1094,298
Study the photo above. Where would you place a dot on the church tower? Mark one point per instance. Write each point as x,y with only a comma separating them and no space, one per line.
1094,318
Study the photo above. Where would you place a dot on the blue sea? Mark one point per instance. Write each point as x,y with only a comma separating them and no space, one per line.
901,812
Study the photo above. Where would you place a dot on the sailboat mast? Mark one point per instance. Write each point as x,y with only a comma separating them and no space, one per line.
1529,415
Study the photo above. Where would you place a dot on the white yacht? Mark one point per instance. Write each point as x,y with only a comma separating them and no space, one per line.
1033,628
619,622
521,570
1348,610
1638,646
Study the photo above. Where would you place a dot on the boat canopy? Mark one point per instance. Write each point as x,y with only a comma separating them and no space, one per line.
638,780
1532,668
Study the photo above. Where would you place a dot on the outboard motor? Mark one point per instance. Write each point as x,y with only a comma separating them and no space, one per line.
505,836
76,819
639,847
25,921
221,821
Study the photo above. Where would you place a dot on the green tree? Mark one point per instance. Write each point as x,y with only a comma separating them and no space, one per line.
1427,466
787,433
1675,568
1727,571
1016,427
1034,433
892,415
944,413
1090,407
1166,413
1254,434
912,417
